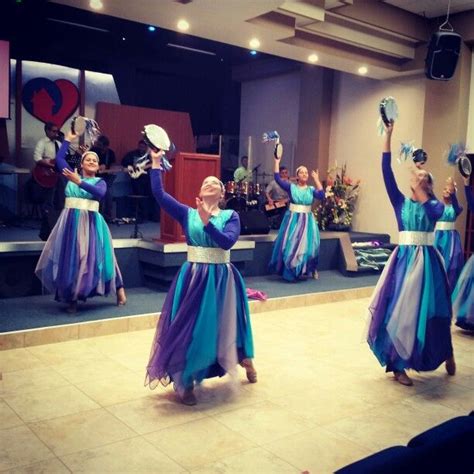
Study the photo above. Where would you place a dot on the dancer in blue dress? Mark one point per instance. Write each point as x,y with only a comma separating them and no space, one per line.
447,238
463,294
410,312
296,248
78,260
204,329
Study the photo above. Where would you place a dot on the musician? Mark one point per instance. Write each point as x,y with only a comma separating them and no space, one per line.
275,193
141,185
106,159
242,173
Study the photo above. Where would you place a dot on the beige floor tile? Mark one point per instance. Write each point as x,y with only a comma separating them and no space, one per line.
72,352
317,451
263,422
198,442
20,447
30,380
50,466
8,418
18,359
131,455
373,431
77,372
73,433
110,391
135,361
452,396
52,403
154,413
254,460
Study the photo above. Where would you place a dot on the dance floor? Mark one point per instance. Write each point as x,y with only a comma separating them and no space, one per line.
321,401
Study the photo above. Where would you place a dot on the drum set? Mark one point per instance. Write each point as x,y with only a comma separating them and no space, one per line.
244,196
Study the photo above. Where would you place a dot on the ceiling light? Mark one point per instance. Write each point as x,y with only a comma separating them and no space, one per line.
151,28
362,70
253,52
183,25
96,4
123,38
193,50
313,58
254,43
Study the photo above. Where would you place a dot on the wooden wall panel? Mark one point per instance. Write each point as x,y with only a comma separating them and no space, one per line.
123,125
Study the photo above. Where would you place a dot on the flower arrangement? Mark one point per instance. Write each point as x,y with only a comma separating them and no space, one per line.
337,209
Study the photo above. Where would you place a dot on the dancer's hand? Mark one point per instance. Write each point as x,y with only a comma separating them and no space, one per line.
466,180
156,158
315,175
203,211
72,176
451,185
70,136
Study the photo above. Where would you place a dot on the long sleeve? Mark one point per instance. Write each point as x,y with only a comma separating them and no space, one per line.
39,150
97,190
285,185
454,201
61,162
226,238
434,209
319,194
173,207
394,194
469,198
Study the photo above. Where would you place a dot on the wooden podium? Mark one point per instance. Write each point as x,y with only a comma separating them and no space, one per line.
184,182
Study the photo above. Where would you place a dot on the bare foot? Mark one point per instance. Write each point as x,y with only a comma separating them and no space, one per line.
72,308
121,297
247,364
402,377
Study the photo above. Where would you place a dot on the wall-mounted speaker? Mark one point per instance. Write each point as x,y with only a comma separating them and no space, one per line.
443,54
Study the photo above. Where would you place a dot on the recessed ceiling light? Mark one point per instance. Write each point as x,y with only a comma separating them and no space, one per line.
254,43
123,38
313,58
151,28
253,52
183,25
96,4
363,70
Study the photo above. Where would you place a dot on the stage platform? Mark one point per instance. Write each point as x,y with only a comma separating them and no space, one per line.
34,320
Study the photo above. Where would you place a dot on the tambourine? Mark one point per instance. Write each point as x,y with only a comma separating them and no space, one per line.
274,136
465,166
388,109
419,156
81,125
156,137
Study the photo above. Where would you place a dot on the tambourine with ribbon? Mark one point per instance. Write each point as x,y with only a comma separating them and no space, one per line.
157,139
274,137
388,110
457,155
81,125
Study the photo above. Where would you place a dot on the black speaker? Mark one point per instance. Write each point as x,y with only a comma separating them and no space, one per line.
443,54
254,222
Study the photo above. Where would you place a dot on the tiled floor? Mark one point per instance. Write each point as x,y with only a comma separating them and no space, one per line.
321,402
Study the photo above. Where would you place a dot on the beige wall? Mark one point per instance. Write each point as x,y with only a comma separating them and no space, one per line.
354,140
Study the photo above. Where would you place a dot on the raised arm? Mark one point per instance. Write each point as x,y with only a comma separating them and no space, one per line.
394,194
61,162
173,207
454,201
228,236
318,191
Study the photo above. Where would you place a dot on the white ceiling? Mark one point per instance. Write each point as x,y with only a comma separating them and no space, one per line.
433,8
345,34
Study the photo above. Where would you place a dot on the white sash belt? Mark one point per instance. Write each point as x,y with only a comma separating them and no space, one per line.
442,225
208,255
300,208
81,203
410,237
